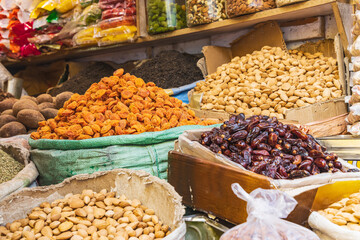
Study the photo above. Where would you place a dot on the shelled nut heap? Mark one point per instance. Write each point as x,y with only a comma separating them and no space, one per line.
270,81
88,215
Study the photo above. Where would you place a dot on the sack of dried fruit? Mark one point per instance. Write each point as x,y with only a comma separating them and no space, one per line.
266,210
81,138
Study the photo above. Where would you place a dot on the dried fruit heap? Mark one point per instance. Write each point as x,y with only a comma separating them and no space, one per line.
268,147
120,104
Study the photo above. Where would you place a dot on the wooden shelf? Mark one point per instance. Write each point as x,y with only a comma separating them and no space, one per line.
292,12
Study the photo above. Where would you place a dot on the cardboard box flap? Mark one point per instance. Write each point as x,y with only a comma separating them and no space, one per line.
215,57
264,34
325,46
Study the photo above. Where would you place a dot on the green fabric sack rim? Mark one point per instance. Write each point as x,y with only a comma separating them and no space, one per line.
135,139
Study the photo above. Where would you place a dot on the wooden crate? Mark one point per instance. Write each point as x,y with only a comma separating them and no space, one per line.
206,186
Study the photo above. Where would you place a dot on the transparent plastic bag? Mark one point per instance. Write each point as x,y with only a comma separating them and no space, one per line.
115,31
265,209
86,36
356,28
355,78
240,7
112,39
202,12
354,49
352,118
355,96
118,21
354,129
356,63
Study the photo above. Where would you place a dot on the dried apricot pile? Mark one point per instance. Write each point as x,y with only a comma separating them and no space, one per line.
120,104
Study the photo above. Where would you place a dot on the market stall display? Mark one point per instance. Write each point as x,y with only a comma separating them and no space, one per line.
9,167
122,204
280,3
266,208
22,116
254,84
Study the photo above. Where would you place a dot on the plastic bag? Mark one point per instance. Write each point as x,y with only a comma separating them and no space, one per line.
66,5
90,15
44,6
355,78
357,4
86,3
116,22
265,209
352,118
86,36
112,39
116,31
354,129
354,49
356,28
356,63
355,97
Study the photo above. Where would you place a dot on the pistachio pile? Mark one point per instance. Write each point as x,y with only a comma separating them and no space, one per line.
88,215
270,81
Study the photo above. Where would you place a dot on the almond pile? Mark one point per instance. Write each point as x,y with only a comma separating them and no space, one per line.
120,104
88,215
271,81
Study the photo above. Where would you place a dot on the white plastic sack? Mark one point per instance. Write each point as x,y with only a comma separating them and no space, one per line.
354,49
355,78
265,209
8,4
327,230
354,130
356,63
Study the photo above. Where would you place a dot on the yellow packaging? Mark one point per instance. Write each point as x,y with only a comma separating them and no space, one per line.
108,40
86,36
47,5
66,5
116,31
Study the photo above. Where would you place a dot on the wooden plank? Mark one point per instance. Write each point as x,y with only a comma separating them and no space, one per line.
286,13
341,29
206,186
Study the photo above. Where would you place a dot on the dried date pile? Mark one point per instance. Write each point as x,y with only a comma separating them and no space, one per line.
266,146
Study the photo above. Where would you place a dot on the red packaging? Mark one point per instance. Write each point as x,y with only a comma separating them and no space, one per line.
119,21
118,12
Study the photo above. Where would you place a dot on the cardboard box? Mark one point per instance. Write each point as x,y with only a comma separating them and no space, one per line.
206,186
255,40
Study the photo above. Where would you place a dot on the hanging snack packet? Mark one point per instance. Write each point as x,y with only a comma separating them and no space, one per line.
265,209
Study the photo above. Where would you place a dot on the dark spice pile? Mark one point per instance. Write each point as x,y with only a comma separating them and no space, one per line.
83,80
4,95
170,69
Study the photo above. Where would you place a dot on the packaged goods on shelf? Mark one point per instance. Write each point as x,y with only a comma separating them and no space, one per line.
266,210
240,7
148,197
280,3
165,15
86,36
202,12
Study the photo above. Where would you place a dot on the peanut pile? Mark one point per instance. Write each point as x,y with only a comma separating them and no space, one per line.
345,212
270,81
120,104
88,215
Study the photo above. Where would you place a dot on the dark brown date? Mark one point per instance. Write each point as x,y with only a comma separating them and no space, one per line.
268,147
